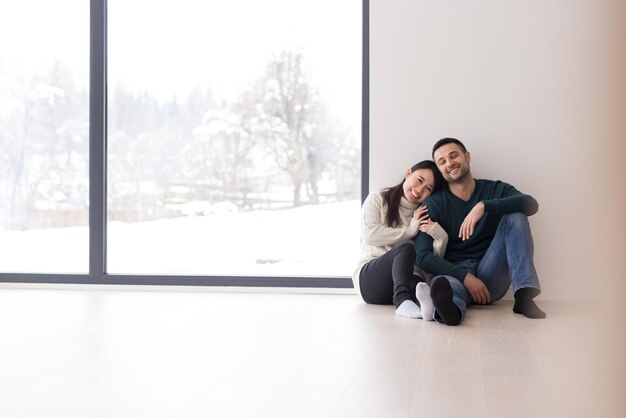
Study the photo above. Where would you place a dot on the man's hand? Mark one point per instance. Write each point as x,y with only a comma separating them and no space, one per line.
467,228
477,289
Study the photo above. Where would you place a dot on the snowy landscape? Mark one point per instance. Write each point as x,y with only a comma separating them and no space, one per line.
315,240
217,163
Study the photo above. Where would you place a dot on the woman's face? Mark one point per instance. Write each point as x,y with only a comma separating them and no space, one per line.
418,185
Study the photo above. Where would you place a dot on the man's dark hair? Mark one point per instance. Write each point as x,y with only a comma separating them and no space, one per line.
445,141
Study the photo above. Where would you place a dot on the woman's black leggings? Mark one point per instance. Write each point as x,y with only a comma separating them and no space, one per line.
389,278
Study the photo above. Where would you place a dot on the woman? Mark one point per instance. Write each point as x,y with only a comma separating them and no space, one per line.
391,218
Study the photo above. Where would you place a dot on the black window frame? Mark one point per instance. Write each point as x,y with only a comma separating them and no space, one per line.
98,188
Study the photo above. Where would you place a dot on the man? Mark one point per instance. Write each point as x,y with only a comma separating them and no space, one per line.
490,245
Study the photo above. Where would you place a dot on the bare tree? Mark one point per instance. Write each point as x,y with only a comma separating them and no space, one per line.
290,113
218,155
43,145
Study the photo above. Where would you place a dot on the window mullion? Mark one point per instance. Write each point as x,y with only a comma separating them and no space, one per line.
97,140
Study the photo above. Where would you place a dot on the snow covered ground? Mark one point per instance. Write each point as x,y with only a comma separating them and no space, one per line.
320,240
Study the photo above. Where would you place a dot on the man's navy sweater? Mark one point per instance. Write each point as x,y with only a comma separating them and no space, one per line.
449,211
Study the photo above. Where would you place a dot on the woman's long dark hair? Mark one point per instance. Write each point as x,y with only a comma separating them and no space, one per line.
392,195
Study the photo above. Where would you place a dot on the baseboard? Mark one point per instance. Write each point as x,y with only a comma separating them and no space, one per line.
193,289
563,295
558,295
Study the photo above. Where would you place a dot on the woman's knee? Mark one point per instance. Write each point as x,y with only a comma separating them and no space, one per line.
407,250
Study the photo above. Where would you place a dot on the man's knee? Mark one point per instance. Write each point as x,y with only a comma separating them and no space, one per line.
516,219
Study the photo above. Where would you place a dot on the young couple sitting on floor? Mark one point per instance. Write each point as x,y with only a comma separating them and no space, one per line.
469,237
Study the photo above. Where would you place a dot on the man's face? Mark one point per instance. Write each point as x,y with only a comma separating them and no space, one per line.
453,163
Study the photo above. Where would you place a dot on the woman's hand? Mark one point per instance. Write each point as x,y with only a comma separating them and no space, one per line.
467,227
420,214
427,225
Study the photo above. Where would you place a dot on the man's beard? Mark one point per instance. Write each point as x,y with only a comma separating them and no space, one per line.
464,173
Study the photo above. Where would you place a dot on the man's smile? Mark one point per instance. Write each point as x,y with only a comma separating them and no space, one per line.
454,170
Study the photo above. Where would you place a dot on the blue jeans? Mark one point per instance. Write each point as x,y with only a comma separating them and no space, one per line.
508,261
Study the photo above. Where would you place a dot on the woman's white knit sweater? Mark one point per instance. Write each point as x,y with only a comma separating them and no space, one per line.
377,238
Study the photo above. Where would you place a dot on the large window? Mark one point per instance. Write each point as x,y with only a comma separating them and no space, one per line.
227,141
44,127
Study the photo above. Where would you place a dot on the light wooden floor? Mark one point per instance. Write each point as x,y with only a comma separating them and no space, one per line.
109,353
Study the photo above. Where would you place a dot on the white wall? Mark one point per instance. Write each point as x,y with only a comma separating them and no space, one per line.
536,89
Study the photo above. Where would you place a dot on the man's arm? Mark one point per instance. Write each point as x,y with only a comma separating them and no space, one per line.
439,235
512,200
427,260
